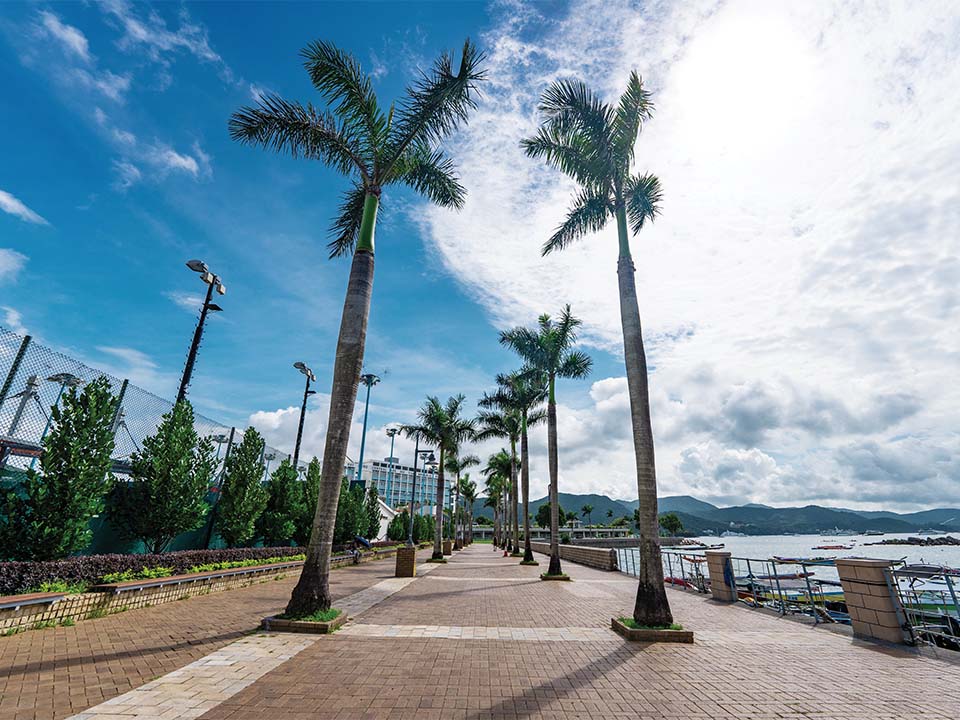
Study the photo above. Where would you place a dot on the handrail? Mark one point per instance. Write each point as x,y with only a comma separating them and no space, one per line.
15,602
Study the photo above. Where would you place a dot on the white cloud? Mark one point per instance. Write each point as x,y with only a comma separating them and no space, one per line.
12,205
136,366
806,257
11,263
13,320
257,92
190,302
71,38
127,174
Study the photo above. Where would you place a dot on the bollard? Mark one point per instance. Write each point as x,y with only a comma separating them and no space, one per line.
723,584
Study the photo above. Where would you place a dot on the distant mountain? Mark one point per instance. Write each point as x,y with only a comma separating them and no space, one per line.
699,516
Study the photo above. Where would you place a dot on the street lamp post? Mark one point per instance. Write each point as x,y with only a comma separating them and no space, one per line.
65,380
368,379
392,434
307,392
211,280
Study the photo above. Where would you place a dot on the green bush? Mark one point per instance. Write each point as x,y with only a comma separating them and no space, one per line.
147,573
48,516
306,506
242,496
279,522
565,538
231,564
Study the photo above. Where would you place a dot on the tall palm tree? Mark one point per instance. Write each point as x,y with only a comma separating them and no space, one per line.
593,142
587,512
376,149
494,491
499,472
547,352
445,427
505,424
456,464
524,393
468,490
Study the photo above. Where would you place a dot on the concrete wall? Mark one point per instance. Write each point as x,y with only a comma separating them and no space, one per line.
873,604
722,581
600,558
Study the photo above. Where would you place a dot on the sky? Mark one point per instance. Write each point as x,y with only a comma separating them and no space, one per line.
799,291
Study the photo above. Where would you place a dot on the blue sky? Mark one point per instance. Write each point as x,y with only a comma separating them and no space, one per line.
806,153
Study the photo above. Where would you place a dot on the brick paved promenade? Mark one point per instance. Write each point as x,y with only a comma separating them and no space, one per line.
480,637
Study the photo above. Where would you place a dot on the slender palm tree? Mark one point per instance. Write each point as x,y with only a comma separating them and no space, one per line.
524,393
456,464
494,491
505,424
593,142
587,512
499,472
444,426
468,490
547,352
376,149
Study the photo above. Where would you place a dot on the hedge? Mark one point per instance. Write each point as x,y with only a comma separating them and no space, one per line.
20,577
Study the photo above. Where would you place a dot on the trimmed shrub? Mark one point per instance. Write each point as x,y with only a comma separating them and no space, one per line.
19,577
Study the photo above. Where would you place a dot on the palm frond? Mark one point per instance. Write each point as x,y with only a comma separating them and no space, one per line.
567,327
575,365
437,104
635,107
589,214
337,76
430,173
644,195
536,417
525,343
346,227
569,105
301,131
568,152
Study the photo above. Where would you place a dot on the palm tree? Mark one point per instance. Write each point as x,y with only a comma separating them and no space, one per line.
499,472
547,352
456,465
524,393
494,491
609,516
468,490
443,426
505,424
593,142
587,512
376,149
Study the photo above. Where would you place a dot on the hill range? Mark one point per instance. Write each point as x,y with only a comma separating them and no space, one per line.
701,517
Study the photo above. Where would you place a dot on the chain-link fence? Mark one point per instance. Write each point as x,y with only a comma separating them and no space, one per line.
34,377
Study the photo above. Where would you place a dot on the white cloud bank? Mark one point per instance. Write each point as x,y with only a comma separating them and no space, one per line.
799,292
14,206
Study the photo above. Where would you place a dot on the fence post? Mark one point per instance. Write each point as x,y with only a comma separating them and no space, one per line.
875,612
24,344
116,413
216,498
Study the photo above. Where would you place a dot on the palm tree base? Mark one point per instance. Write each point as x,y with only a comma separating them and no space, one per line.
516,554
437,560
529,562
561,576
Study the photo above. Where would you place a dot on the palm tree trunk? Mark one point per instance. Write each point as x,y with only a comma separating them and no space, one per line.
525,489
312,592
456,526
554,568
438,535
514,497
652,606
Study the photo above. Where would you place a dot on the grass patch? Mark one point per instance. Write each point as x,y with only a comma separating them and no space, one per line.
43,624
319,616
96,614
142,574
634,625
67,622
548,576
60,586
232,564
529,562
13,631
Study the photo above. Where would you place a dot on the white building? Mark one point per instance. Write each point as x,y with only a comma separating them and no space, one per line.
394,481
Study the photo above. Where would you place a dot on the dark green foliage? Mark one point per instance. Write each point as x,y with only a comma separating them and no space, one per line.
483,520
48,516
423,528
542,518
671,524
372,509
307,506
397,529
283,518
171,475
242,496
351,514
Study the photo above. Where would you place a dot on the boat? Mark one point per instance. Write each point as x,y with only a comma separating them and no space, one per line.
874,532
833,547
803,560
694,558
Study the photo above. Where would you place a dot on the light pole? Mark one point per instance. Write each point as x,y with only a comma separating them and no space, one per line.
392,434
269,457
307,392
200,267
428,455
368,379
65,380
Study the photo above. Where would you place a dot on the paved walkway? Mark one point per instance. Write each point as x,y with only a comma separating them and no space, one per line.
482,637
56,672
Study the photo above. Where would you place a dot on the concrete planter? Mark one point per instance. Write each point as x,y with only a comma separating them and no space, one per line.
406,562
647,635
275,624
562,578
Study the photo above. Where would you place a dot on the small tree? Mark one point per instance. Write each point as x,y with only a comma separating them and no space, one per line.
171,475
242,496
399,527
671,524
48,517
609,516
542,517
351,514
372,511
587,512
307,508
283,517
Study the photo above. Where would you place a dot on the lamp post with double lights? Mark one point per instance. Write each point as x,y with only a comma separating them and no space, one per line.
65,380
200,267
307,392
368,379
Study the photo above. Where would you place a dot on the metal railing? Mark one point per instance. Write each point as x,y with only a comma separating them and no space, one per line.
32,379
929,597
